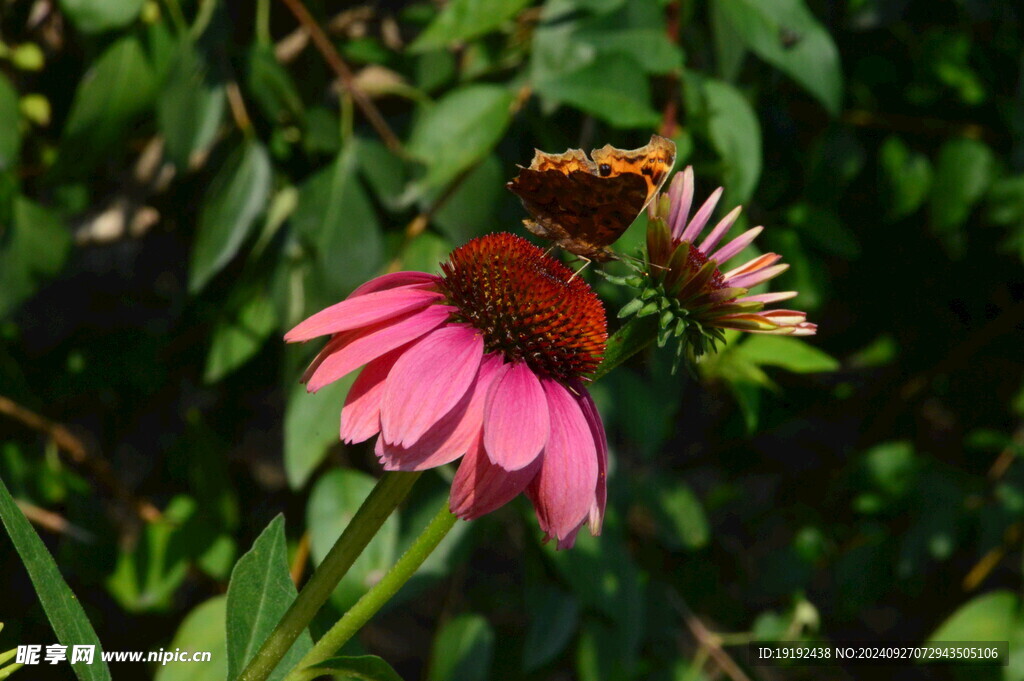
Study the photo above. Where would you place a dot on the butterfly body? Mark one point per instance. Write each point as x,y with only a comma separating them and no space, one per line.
585,204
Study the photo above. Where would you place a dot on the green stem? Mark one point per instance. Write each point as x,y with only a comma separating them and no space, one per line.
631,338
389,492
367,606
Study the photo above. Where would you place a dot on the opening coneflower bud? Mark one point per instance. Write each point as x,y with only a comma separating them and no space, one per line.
686,286
484,363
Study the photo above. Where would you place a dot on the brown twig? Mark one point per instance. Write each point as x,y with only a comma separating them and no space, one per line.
54,522
66,441
708,640
344,73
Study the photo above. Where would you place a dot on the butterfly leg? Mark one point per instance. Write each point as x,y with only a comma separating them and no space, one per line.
586,263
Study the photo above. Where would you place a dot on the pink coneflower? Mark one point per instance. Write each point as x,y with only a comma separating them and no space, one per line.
483,362
704,295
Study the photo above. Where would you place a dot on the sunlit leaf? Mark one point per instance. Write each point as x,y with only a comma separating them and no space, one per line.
791,354
118,88
461,20
363,668
459,130
785,34
89,16
201,630
311,426
33,248
963,171
237,195
69,621
260,592
463,650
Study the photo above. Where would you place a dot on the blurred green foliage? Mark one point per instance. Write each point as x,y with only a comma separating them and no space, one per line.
183,180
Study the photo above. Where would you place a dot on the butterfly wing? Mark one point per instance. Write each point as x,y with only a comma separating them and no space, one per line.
585,205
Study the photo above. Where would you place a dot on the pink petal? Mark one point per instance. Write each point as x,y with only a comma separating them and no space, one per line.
720,229
751,266
362,310
349,351
563,491
593,417
428,380
394,280
454,434
480,486
681,194
767,298
360,417
516,421
755,278
733,248
701,218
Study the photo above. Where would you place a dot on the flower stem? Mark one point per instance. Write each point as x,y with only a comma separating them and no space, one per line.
385,497
372,601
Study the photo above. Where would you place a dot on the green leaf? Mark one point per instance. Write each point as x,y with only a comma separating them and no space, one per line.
237,195
363,668
963,171
907,177
260,592
10,137
791,354
471,210
34,247
554,618
202,629
425,253
240,335
679,515
272,86
65,613
337,221
148,573
462,20
120,86
311,426
611,90
90,16
988,617
736,134
334,500
463,650
459,130
189,107
785,34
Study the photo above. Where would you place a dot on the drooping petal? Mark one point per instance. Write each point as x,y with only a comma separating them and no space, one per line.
427,381
350,350
454,434
702,216
395,280
720,229
480,486
363,310
563,491
516,421
360,417
733,248
593,417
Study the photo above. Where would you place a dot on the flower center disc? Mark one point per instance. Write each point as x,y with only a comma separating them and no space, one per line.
527,305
